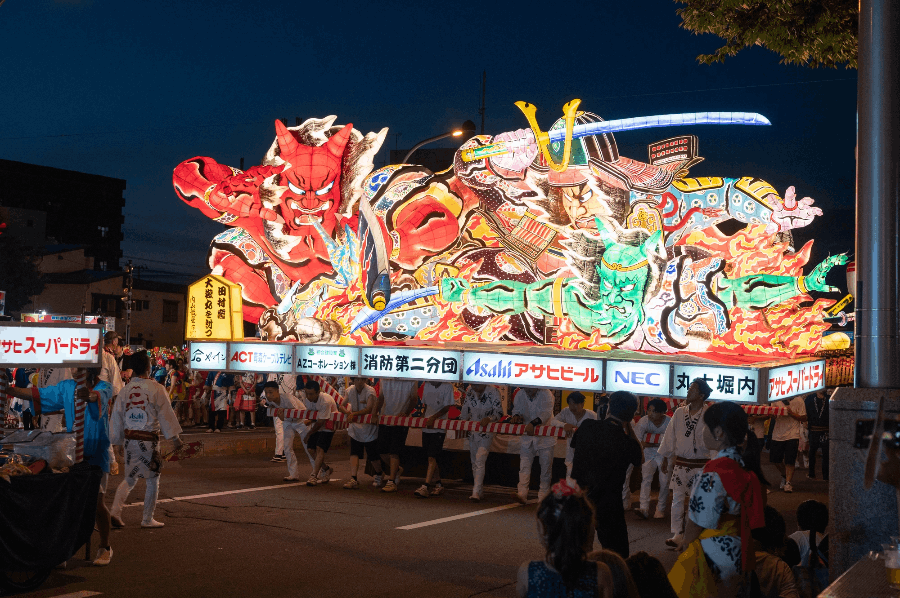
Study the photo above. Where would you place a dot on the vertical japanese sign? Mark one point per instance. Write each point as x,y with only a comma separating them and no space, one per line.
639,377
416,364
327,360
209,357
37,345
214,310
533,370
728,384
792,380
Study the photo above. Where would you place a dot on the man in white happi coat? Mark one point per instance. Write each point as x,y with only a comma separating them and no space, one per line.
481,404
141,412
569,419
649,430
683,444
533,407
278,394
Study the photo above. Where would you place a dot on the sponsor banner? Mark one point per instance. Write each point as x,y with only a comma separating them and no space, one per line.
533,370
416,364
37,345
792,380
269,358
639,377
728,384
209,356
326,360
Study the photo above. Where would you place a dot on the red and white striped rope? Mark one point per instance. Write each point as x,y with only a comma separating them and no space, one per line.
650,438
78,423
750,409
422,422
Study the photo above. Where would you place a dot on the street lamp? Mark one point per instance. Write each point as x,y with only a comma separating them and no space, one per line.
467,127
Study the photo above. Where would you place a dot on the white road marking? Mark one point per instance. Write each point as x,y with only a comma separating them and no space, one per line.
81,594
465,515
211,494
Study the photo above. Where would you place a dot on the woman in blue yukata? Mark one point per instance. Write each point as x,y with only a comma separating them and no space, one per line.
726,504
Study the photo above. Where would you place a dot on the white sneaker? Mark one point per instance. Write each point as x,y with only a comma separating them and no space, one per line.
378,480
783,482
422,492
351,484
644,513
438,489
104,556
325,472
312,481
788,488
153,523
389,487
659,515
674,541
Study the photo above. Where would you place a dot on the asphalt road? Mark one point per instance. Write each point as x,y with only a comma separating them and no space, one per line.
235,529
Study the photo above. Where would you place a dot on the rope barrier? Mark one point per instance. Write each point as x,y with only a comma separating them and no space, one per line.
78,423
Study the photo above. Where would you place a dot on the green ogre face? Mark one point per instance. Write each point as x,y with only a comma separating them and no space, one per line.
624,270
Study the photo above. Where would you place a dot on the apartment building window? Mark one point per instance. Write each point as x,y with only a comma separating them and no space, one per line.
170,311
103,230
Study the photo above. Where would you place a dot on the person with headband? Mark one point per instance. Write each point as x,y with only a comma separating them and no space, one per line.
140,414
726,505
683,444
603,451
565,519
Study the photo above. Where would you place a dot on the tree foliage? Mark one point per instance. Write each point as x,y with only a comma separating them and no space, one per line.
19,274
810,33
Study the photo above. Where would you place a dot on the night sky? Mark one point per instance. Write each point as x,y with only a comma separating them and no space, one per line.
130,89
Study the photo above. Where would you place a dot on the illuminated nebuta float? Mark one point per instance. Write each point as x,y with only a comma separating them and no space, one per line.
544,238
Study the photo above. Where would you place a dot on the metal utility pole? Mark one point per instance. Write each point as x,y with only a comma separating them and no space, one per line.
128,291
483,88
878,196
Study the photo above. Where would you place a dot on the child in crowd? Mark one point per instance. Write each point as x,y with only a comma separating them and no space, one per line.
812,542
649,576
245,401
566,526
774,575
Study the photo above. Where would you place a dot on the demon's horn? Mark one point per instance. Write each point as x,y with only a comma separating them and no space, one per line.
286,142
338,141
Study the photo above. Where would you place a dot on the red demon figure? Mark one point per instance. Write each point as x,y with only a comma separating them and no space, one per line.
311,176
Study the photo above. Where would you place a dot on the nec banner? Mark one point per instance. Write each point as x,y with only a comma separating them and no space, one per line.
639,377
728,384
533,370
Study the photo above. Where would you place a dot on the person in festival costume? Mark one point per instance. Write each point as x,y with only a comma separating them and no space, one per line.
321,431
482,404
565,520
139,416
97,394
359,401
276,396
683,444
655,422
245,400
726,504
533,407
569,419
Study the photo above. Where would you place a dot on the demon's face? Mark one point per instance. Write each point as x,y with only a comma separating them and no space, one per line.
312,176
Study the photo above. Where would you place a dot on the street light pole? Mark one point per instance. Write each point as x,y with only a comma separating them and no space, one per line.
467,127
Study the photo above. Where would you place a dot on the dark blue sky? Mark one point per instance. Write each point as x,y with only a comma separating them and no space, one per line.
130,89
